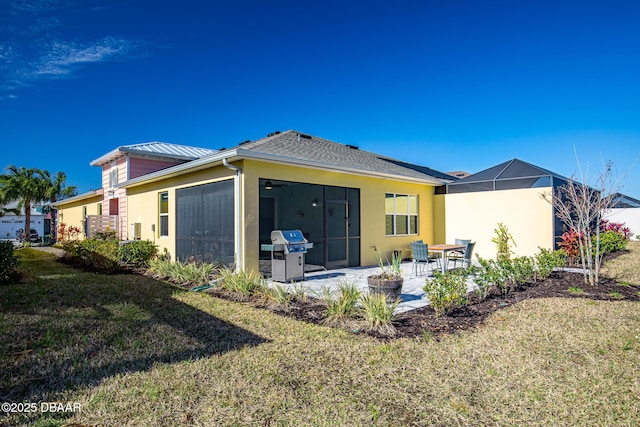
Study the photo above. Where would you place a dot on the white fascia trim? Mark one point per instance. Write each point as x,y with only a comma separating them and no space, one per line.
82,196
105,158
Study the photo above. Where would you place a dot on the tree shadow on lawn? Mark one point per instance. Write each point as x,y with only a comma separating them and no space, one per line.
79,328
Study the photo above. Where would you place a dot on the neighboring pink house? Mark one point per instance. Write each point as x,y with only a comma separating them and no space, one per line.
131,161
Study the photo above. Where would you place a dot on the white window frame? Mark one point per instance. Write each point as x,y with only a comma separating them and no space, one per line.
113,175
162,215
395,214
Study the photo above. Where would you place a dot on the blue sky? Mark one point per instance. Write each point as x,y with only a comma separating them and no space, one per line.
452,85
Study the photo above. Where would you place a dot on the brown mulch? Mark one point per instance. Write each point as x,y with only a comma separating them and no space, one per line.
423,321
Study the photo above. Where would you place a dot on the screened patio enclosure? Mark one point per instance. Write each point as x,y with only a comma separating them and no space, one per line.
511,175
204,223
328,216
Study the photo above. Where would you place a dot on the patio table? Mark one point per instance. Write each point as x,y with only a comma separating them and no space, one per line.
443,249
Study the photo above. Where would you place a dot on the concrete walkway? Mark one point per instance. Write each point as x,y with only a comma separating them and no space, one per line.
49,249
412,296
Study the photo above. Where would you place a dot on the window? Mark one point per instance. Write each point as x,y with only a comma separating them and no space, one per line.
84,211
113,175
99,208
401,214
164,213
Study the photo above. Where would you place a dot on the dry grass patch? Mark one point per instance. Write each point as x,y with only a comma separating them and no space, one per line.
199,360
625,268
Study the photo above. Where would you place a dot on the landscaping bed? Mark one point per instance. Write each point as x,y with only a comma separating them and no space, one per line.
423,321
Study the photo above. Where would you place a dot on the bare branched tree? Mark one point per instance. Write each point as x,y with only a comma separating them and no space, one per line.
582,208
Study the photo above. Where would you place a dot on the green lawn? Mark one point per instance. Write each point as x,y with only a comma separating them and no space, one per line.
134,351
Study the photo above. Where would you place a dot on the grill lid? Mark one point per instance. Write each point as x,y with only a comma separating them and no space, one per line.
287,237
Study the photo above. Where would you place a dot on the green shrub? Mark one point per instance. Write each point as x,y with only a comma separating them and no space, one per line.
104,252
486,276
378,313
612,241
138,252
100,254
547,260
446,291
522,270
510,274
105,235
8,262
72,248
343,306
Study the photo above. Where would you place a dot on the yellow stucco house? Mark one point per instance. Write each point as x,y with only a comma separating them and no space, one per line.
222,204
353,205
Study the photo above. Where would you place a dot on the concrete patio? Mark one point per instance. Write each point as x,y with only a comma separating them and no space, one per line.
413,297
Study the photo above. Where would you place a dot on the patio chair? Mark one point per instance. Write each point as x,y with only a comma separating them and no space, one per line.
420,257
466,257
459,254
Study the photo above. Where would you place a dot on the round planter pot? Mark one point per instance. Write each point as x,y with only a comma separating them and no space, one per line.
391,288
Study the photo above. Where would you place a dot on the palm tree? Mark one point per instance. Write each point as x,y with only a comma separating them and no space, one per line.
24,186
56,188
27,186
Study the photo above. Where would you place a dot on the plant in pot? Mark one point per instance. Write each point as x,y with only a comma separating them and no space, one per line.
389,281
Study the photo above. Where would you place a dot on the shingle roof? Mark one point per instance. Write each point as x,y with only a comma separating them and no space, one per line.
157,148
296,145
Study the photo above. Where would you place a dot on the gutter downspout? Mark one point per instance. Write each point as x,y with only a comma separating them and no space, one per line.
238,220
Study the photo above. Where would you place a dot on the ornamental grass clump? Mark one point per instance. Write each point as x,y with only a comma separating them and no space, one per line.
343,306
391,271
242,283
277,294
181,273
446,291
377,312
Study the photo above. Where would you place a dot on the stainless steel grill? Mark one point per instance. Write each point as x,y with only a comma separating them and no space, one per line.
287,254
